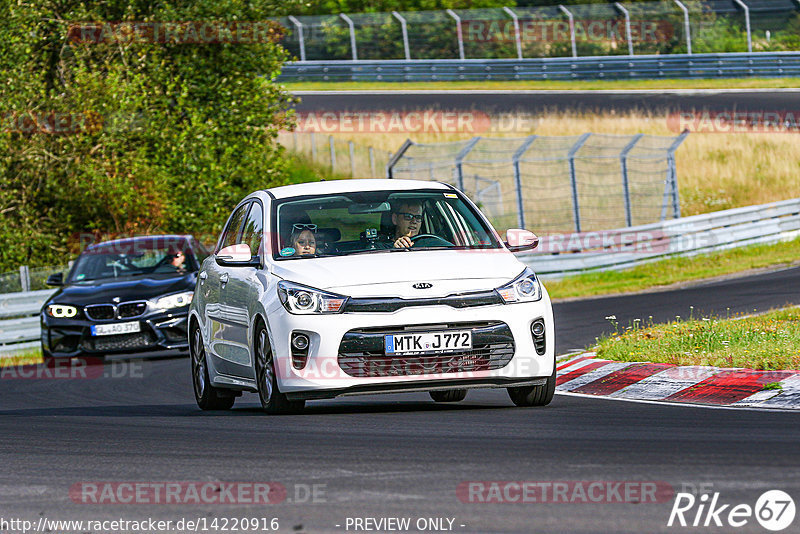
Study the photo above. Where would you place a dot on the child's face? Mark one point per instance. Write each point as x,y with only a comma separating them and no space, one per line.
305,243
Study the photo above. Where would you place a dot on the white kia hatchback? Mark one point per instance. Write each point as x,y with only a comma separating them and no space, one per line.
350,287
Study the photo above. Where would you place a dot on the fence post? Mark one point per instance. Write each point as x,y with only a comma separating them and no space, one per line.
25,278
574,179
687,28
404,29
299,26
332,143
627,26
460,159
517,37
571,29
313,146
371,163
673,175
352,35
394,158
623,160
459,33
518,178
747,24
352,159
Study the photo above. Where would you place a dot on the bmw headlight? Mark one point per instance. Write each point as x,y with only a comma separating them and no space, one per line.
62,311
524,288
178,300
304,300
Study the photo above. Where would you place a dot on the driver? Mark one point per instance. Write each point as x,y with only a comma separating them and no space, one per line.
407,220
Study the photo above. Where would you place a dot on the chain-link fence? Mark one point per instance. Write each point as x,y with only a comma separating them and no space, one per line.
345,158
28,278
614,28
555,184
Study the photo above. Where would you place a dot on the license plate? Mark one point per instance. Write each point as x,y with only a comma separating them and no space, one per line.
428,342
115,328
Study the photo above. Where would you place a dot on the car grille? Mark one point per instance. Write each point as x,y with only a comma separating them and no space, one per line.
131,309
139,340
100,312
392,304
361,352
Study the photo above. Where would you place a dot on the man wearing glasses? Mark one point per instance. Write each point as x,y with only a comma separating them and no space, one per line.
407,220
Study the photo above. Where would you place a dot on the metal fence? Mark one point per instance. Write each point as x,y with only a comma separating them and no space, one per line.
614,28
555,184
28,278
345,158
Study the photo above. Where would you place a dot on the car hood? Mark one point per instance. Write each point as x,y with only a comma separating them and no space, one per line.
394,273
127,289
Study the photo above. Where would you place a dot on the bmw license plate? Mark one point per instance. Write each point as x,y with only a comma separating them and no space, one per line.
428,342
116,328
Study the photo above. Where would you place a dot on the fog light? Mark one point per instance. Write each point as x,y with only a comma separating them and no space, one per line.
537,328
300,341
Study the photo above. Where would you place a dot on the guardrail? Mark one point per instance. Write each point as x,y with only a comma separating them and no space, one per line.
728,65
569,254
19,319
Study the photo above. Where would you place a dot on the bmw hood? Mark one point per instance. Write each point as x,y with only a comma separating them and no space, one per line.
127,289
434,273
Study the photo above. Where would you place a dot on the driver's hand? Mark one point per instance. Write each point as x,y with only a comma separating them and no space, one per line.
403,242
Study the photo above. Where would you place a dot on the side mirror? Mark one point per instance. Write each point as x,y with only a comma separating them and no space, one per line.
518,240
55,279
237,256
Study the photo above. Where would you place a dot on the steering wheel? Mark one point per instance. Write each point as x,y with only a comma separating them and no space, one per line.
430,240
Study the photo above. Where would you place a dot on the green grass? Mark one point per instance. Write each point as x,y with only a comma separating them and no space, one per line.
26,357
769,342
300,169
676,270
565,85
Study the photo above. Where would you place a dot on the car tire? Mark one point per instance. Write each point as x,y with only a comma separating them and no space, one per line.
449,395
535,395
272,400
207,396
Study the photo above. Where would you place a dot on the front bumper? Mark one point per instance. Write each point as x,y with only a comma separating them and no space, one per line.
67,338
345,357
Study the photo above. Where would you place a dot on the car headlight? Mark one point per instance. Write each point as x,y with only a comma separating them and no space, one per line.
62,311
524,288
178,300
304,300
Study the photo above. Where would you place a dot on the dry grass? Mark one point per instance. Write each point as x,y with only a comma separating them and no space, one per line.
716,171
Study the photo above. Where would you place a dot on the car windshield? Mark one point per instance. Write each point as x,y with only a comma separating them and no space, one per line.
137,257
372,222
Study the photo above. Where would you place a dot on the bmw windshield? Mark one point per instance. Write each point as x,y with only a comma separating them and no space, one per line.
377,221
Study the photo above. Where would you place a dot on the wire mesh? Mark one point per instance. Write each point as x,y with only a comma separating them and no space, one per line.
562,184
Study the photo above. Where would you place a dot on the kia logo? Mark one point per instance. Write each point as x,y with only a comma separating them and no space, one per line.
422,285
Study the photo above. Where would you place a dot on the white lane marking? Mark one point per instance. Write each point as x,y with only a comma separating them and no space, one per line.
593,375
360,92
667,382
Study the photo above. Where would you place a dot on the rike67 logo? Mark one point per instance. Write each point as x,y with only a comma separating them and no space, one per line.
774,510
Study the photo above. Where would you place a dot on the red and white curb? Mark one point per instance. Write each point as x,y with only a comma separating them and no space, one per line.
585,374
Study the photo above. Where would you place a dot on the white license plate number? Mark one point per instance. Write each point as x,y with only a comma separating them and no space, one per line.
428,342
115,328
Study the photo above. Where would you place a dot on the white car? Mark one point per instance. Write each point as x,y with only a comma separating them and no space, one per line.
349,287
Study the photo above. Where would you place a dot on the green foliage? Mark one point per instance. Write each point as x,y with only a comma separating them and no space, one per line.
161,136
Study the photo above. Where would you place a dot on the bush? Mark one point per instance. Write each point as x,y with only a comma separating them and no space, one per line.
131,135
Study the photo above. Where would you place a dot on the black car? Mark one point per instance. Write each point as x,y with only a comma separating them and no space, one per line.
123,296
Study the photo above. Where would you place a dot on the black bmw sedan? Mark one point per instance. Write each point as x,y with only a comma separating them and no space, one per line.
123,296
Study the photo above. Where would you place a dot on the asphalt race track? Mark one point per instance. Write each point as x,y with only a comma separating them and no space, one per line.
493,102
400,455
